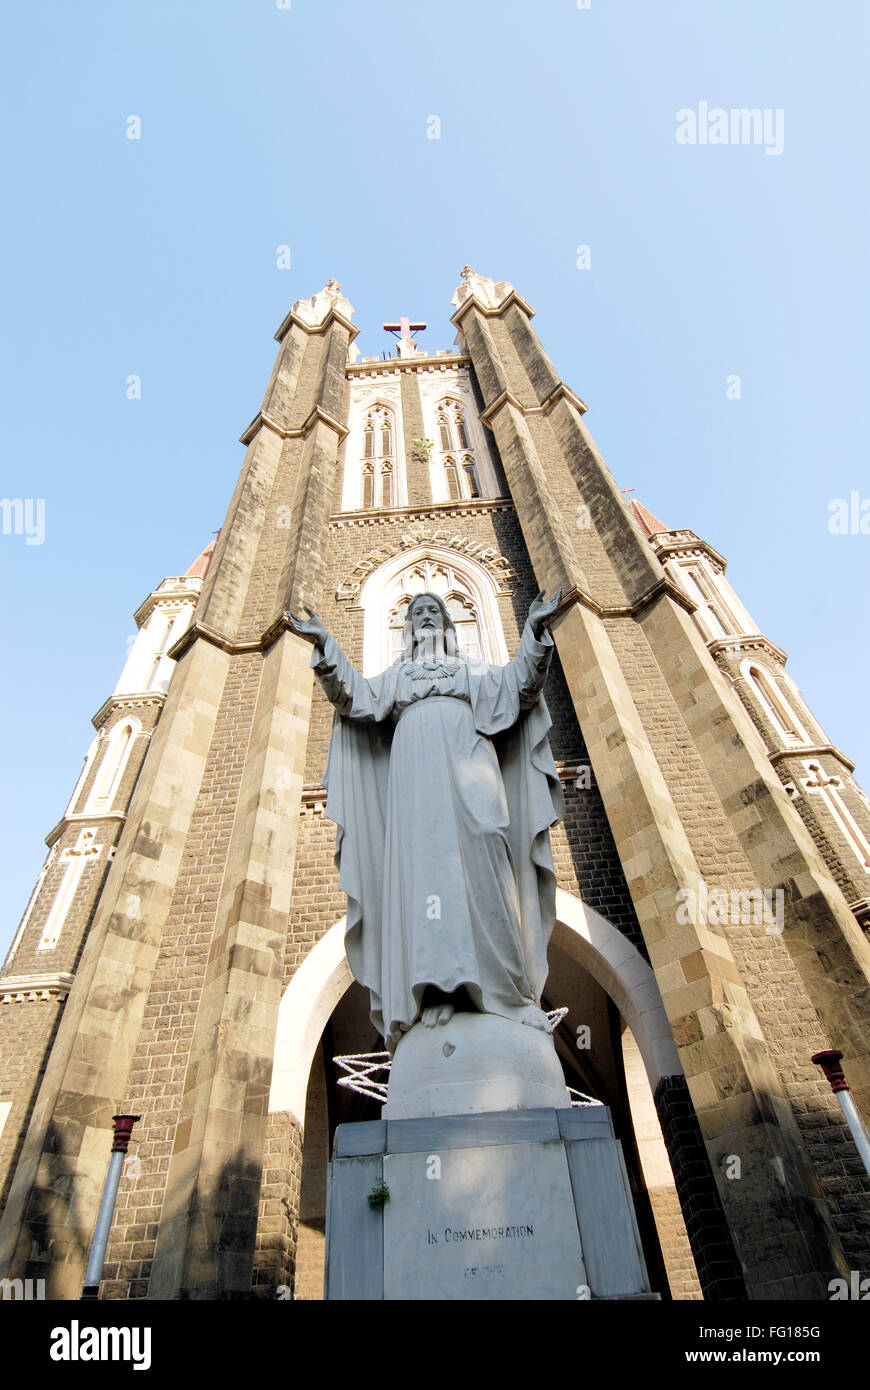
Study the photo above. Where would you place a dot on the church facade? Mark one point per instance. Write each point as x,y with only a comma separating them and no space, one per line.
182,954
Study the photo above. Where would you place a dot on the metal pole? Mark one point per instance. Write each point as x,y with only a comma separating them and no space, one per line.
123,1128
829,1061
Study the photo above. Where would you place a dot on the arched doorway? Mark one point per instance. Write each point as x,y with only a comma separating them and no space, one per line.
614,1044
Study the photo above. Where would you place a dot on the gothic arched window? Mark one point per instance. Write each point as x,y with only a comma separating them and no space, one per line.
452,479
368,487
774,703
468,468
387,485
377,480
468,591
464,616
461,479
119,746
716,617
460,606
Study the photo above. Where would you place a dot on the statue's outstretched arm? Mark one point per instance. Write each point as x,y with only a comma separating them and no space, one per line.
532,661
541,610
351,694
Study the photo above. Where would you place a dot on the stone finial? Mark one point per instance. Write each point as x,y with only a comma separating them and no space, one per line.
313,311
487,291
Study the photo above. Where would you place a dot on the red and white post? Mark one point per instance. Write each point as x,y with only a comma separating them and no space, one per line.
829,1061
123,1128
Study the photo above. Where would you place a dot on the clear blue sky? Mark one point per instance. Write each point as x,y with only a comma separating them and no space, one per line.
307,127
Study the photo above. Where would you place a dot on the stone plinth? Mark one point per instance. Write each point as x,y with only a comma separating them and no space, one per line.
522,1204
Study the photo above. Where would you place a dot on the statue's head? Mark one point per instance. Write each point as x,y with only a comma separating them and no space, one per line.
428,624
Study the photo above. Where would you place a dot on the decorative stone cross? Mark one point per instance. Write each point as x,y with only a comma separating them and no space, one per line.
404,328
84,846
76,857
407,347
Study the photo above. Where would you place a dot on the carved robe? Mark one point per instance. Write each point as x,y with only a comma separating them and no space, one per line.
442,784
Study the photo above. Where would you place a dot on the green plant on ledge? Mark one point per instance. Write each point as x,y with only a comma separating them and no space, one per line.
422,449
379,1194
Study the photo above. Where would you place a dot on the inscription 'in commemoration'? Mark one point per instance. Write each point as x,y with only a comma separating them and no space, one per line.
455,1236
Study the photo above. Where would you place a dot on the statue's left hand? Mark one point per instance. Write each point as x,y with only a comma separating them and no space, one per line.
313,630
541,610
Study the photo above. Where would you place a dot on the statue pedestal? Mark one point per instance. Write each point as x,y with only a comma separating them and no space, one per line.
475,1062
519,1204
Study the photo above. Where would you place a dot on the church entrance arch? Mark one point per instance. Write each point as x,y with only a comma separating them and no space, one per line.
303,1072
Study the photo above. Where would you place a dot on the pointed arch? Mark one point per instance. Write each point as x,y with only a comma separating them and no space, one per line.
305,1009
119,746
609,957
374,459
446,572
459,478
451,478
617,966
772,700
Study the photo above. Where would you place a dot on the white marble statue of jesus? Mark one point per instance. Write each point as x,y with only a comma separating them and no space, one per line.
443,788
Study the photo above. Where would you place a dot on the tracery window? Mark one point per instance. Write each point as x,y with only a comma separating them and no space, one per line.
377,481
449,583
457,459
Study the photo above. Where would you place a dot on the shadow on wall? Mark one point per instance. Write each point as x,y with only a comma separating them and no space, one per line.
58,1243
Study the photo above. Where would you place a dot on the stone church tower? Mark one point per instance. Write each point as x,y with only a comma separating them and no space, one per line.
182,955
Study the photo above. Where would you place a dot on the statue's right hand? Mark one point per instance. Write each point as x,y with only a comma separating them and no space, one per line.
312,629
